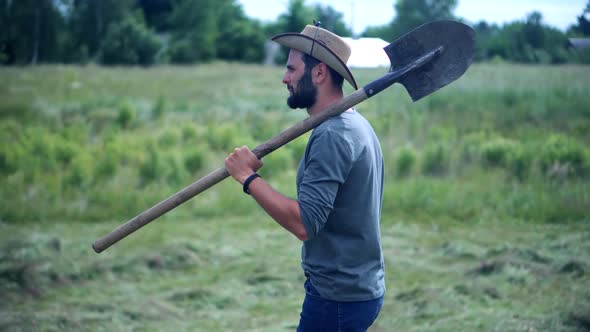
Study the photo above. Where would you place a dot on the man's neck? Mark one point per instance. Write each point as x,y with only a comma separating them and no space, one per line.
324,102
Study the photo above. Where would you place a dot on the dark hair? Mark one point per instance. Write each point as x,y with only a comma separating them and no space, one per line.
311,62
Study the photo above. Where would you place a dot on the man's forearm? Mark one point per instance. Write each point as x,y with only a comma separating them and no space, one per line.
284,210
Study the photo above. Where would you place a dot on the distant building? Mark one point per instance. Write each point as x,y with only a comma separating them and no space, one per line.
367,53
271,51
579,43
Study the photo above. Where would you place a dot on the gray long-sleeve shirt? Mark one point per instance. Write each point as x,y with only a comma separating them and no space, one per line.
340,190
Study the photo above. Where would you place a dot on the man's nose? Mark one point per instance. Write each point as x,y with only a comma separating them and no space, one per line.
286,78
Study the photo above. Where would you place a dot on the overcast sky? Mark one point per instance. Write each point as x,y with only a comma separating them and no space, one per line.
363,13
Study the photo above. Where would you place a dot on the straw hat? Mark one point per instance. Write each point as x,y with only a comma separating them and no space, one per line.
321,44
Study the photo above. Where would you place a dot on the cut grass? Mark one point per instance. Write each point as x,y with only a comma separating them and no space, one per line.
236,273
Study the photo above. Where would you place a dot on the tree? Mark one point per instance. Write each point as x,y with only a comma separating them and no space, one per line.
332,20
156,13
130,42
485,33
194,30
89,21
297,16
410,14
239,38
582,29
530,41
31,31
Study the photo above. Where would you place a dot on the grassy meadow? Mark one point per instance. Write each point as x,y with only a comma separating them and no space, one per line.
485,218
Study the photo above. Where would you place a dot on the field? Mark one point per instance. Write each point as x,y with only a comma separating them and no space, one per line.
485,214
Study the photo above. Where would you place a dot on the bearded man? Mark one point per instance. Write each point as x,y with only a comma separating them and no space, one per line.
339,190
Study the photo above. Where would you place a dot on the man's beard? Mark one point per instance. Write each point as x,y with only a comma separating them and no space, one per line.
305,95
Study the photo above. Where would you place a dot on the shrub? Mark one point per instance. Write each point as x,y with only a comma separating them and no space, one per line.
189,132
406,159
168,138
278,162
520,163
226,137
153,166
195,159
40,147
182,51
65,151
471,146
159,108
80,171
129,42
127,114
106,166
497,152
563,156
10,155
175,168
10,150
297,146
436,160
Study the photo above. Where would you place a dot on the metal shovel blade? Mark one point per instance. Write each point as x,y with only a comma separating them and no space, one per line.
458,47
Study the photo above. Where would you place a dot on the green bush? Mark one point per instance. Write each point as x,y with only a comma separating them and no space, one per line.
195,159
159,108
189,132
471,146
182,51
127,115
10,157
436,160
175,168
39,145
129,42
65,151
563,156
405,162
10,148
226,137
520,163
497,152
80,171
278,162
106,166
153,166
191,48
168,138
297,146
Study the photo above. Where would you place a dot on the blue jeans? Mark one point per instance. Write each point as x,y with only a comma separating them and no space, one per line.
323,315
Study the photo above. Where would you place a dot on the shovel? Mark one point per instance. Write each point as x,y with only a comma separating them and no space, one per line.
423,61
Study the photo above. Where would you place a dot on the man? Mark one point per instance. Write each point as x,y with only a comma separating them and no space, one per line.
339,189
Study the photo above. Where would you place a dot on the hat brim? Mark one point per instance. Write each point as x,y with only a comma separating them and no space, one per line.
317,50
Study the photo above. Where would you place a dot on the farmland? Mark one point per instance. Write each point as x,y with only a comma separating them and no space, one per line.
485,214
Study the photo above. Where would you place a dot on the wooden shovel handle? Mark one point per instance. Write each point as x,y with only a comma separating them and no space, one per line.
220,174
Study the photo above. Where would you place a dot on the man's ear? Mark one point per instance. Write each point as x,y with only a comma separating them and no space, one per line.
320,73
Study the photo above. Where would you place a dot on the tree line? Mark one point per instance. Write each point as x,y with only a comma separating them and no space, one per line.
147,32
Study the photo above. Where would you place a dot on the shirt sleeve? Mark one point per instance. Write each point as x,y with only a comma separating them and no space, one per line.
327,164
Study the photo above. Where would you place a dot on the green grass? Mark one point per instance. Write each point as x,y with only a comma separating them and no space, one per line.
485,214
230,274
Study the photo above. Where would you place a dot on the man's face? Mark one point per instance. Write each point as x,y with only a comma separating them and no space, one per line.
303,92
